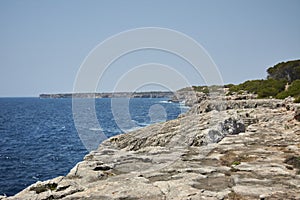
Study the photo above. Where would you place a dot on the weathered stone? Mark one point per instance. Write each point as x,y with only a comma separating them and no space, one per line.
297,115
205,154
222,104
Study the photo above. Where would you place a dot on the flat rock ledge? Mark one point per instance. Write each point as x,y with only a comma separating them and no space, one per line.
245,151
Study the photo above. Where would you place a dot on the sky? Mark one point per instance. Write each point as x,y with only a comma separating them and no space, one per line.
43,43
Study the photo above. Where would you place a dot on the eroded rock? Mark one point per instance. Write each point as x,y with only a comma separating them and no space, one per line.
297,115
205,154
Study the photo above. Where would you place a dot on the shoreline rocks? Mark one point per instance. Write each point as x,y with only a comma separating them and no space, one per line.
248,149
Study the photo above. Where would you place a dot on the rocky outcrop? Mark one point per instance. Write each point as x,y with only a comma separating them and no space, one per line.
223,104
189,96
246,150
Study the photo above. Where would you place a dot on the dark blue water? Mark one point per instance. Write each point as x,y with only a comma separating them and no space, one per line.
39,140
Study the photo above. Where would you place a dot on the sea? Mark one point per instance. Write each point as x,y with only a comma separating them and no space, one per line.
41,140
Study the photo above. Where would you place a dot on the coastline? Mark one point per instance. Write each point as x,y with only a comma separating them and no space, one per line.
209,152
151,94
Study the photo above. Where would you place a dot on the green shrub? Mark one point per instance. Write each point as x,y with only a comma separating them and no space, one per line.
228,85
267,92
274,85
270,87
236,162
263,88
293,90
250,86
203,89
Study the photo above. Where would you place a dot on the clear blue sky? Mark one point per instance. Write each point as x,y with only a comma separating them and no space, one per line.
43,43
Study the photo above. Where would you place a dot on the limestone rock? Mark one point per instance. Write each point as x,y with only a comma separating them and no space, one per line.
244,149
223,104
297,115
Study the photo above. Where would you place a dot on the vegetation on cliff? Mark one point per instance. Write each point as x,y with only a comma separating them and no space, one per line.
283,80
289,71
293,90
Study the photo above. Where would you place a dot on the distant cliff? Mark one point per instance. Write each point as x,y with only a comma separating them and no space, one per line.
152,94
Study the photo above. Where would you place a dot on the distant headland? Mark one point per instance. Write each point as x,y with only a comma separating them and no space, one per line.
152,94
283,80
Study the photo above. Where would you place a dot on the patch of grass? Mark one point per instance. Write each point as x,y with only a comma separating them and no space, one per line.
236,162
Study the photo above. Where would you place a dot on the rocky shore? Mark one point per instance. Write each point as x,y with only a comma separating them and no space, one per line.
233,149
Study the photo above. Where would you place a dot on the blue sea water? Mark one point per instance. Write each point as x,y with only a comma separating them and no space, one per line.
39,139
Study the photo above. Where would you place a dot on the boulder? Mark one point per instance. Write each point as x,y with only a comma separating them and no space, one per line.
232,126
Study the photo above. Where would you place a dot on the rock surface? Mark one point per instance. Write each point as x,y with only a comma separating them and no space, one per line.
297,115
243,149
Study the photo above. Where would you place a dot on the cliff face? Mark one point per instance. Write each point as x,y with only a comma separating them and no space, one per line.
153,94
240,149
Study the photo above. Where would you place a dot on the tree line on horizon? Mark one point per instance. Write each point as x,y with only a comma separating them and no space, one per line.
283,80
